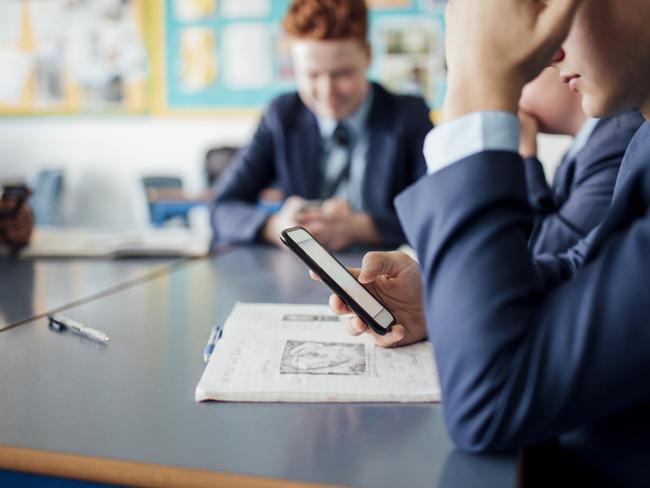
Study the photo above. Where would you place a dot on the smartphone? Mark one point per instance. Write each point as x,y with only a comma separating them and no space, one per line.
339,279
14,195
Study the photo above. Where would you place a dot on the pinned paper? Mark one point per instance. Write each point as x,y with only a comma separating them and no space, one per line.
10,21
245,8
15,68
247,53
198,58
194,9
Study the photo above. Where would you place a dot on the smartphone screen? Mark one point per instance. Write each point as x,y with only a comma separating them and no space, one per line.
339,279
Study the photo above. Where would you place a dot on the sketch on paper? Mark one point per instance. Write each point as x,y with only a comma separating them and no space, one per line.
326,358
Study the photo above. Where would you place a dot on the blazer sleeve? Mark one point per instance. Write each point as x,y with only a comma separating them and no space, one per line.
519,364
422,125
234,214
417,126
540,195
558,227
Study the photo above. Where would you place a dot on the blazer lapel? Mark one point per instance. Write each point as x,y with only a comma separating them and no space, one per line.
304,155
381,159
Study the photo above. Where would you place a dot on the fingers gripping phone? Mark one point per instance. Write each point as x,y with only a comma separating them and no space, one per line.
339,279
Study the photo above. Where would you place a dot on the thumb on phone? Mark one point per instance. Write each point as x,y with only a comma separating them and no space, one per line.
375,264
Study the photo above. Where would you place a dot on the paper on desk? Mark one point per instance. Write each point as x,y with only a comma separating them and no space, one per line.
79,242
302,353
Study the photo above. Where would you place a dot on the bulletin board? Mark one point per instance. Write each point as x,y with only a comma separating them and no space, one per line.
166,57
74,57
233,54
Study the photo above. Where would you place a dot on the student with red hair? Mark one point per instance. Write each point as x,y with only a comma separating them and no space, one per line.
340,148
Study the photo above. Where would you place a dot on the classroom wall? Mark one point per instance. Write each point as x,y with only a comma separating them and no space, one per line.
105,156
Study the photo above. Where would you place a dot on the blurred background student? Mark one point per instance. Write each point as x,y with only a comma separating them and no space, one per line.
339,150
584,180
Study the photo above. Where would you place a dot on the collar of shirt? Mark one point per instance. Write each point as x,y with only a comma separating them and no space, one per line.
355,122
581,139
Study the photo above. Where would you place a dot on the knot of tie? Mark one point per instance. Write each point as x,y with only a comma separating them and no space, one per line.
342,136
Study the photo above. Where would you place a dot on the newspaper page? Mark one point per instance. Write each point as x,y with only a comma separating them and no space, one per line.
303,353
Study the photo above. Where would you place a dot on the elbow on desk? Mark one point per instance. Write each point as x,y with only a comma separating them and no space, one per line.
483,415
476,438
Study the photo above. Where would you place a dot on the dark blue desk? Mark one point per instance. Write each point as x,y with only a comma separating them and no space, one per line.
126,413
30,289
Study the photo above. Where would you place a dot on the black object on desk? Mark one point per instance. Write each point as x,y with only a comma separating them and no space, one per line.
13,196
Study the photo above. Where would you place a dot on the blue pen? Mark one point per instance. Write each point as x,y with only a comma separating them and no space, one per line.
215,335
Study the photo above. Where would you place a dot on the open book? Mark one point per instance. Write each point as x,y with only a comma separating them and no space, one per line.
76,242
303,353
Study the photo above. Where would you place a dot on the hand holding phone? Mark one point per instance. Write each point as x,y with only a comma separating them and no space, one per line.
13,198
339,279
16,220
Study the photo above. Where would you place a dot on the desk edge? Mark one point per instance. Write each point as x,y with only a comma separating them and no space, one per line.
122,472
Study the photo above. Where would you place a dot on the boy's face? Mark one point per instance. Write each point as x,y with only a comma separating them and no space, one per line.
331,75
607,56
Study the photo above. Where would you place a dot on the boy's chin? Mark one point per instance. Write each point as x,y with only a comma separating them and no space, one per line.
598,107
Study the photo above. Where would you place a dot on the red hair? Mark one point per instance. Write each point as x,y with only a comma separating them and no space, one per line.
327,19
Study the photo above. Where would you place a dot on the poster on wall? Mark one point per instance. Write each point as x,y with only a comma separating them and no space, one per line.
409,55
189,10
252,54
388,3
73,56
199,62
247,55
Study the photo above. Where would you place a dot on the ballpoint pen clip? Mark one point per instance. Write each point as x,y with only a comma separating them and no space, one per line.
215,335
60,323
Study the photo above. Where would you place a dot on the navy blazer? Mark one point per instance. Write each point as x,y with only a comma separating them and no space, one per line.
582,186
286,149
519,364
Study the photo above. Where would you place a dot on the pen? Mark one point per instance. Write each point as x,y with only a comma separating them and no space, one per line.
215,335
61,323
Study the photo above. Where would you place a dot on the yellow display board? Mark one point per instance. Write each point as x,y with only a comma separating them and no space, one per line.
194,57
75,57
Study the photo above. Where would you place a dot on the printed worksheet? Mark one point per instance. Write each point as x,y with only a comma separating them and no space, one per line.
303,353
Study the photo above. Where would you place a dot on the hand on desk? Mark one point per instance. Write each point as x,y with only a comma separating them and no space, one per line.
16,231
337,226
333,223
394,278
285,218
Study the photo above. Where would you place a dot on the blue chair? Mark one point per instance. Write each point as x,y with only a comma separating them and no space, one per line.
165,199
47,197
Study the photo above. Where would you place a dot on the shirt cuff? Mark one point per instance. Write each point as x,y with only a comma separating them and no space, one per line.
470,134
